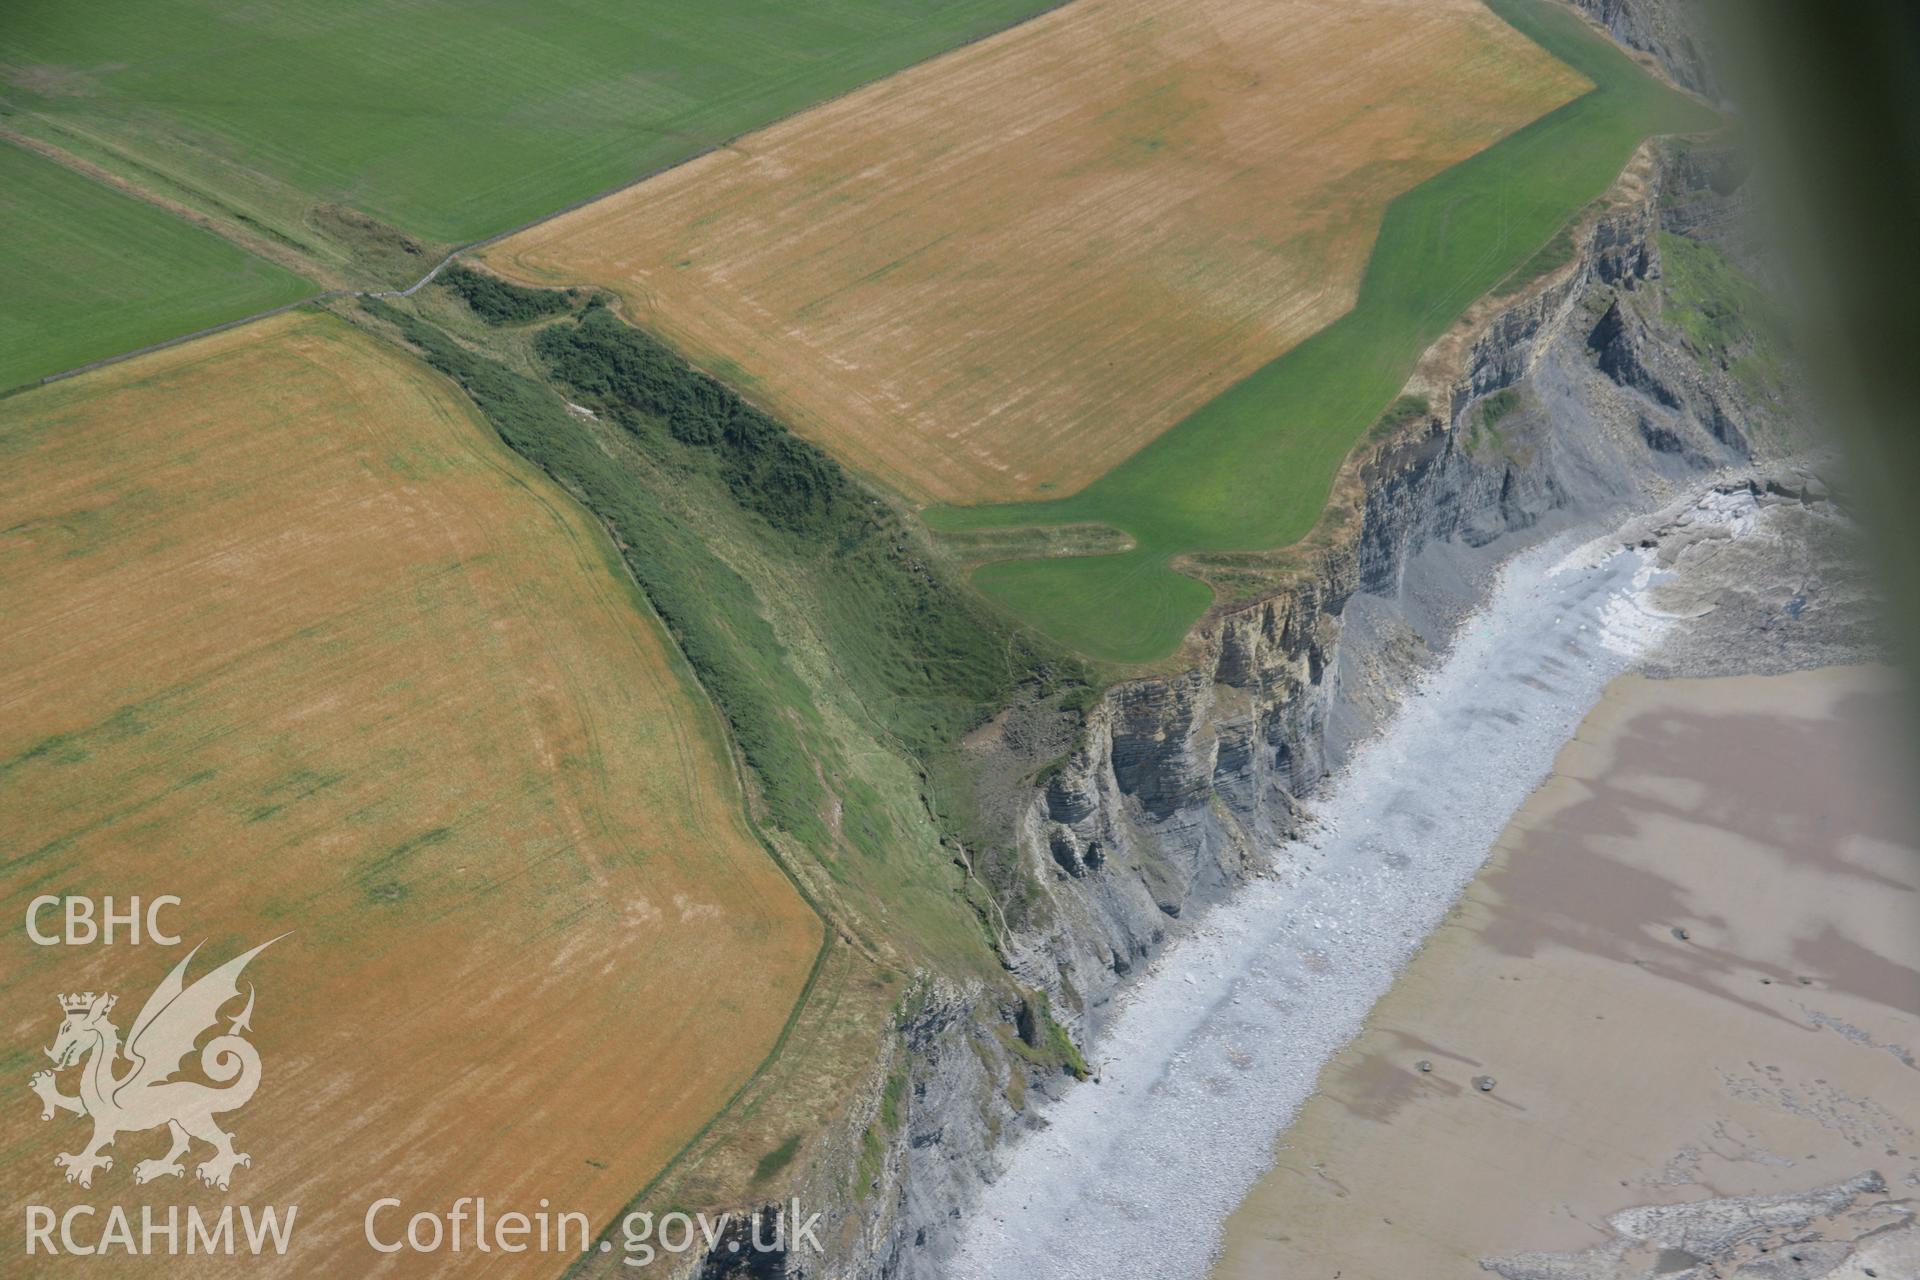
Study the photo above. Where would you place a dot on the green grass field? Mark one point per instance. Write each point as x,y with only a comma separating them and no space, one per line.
848,668
88,272
1253,468
449,120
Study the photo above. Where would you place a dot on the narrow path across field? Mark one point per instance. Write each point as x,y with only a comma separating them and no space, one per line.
994,277
895,47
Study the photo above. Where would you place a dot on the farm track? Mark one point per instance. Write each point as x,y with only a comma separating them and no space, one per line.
258,245
800,1003
1141,201
227,232
253,245
269,251
208,331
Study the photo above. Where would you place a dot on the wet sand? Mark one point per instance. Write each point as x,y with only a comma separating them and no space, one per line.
1692,970
1215,1048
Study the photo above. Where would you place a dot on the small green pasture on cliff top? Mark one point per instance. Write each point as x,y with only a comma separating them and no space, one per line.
1252,469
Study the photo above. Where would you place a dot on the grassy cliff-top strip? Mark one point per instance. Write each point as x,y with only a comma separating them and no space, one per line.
1252,469
846,660
969,308
500,302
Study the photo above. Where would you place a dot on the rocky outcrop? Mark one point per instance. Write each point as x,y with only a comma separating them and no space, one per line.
1567,407
1184,784
1673,31
1848,1229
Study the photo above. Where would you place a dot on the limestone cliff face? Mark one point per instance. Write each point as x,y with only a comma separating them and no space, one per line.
1563,408
1186,783
1183,785
1670,30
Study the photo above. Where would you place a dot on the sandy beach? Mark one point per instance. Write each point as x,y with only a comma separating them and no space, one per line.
1688,975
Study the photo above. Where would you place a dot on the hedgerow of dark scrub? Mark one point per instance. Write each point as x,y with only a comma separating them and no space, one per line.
767,468
926,661
937,661
710,610
924,656
498,302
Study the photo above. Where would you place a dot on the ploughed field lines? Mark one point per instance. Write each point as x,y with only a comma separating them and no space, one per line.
1175,256
1252,469
998,274
358,141
291,636
447,121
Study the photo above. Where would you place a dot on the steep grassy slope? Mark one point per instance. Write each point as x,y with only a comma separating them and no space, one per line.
1724,314
848,666
86,272
1253,468
847,659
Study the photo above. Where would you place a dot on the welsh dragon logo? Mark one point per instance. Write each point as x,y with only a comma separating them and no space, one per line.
145,1095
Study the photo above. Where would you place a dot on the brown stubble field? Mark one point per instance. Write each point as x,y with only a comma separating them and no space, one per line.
994,276
289,634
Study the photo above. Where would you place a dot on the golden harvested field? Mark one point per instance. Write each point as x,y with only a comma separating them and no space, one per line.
289,634
996,275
